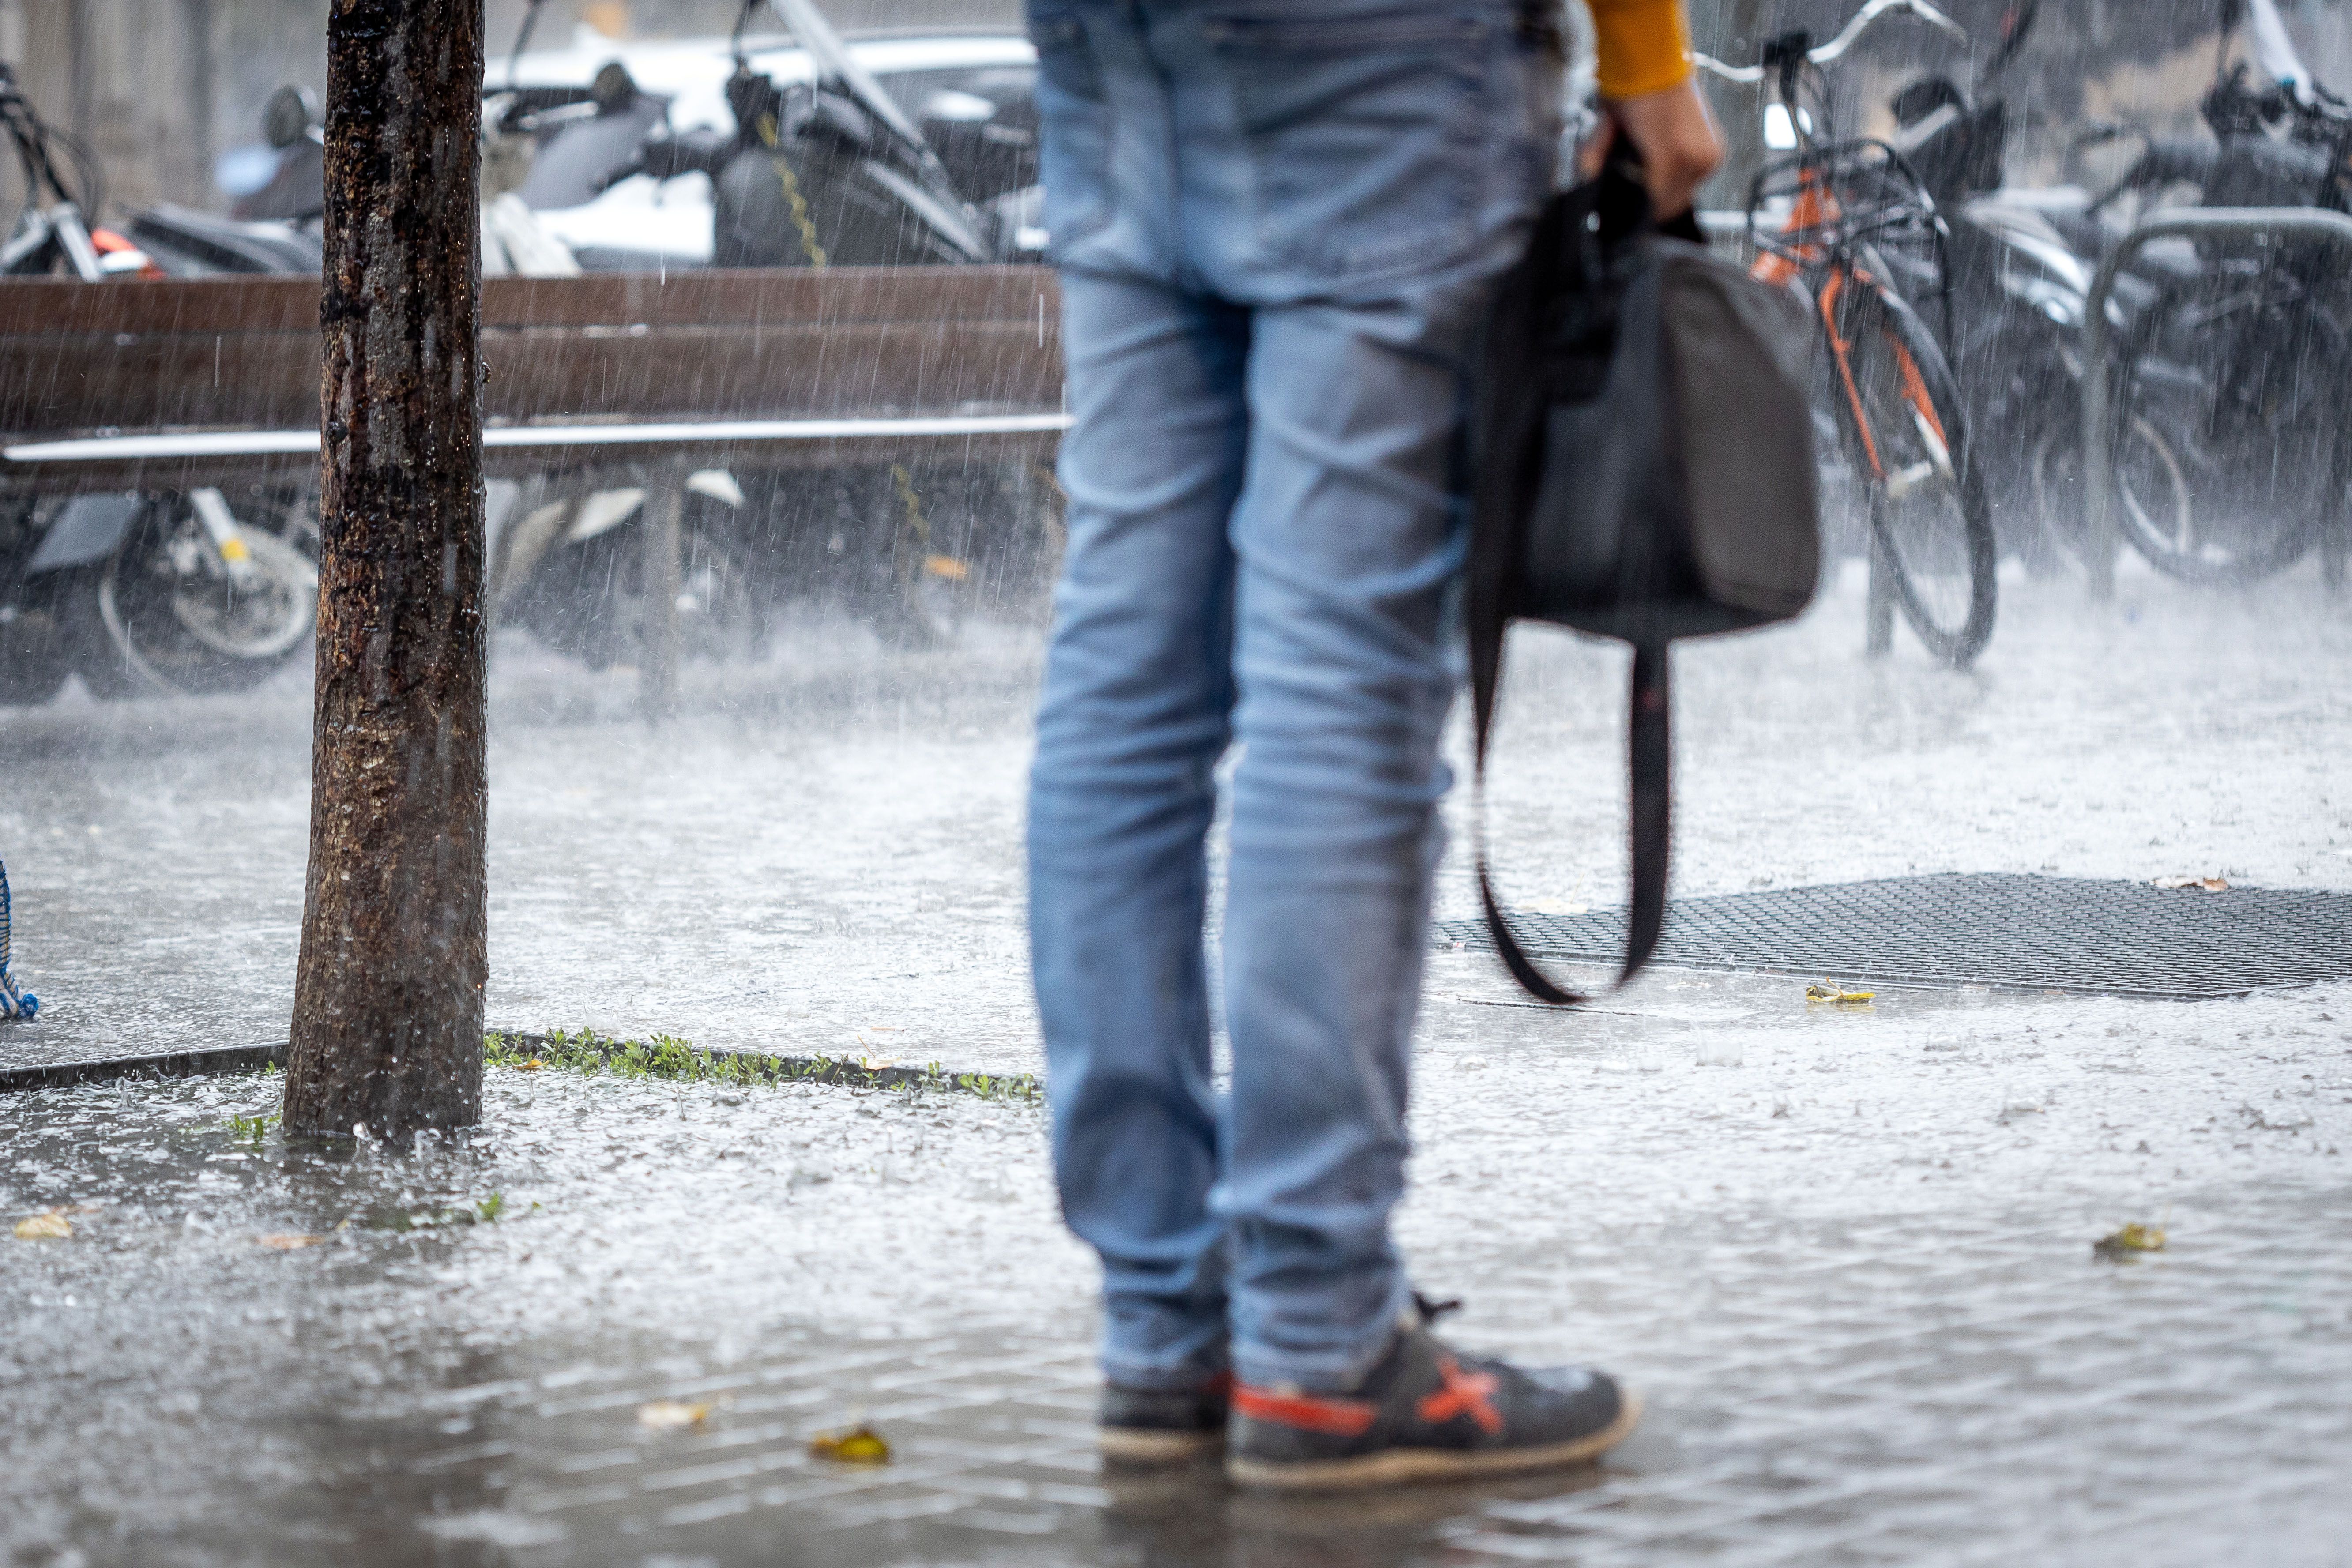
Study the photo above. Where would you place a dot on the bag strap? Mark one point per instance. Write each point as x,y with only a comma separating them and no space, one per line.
1505,483
1649,753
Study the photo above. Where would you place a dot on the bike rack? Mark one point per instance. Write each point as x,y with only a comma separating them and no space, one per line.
2104,540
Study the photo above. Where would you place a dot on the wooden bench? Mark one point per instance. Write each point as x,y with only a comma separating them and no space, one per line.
182,383
611,380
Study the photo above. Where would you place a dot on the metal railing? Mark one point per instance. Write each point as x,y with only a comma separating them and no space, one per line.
2103,538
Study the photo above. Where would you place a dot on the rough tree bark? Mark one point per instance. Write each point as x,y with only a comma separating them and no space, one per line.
387,1028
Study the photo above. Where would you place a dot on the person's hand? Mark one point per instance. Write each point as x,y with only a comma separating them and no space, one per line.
1677,140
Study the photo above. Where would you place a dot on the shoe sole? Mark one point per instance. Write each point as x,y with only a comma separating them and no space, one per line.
1153,1446
1394,1465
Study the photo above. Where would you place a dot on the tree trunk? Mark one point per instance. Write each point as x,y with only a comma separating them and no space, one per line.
387,1026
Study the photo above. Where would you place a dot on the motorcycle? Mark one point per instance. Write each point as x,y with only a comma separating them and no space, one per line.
162,592
832,169
835,172
279,204
168,591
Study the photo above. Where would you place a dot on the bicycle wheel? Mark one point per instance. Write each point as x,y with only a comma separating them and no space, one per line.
2226,405
1907,441
2152,497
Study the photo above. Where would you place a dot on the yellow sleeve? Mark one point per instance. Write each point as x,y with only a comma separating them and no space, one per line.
1645,45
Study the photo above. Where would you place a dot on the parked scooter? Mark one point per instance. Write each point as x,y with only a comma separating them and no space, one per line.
832,172
828,171
170,590
274,222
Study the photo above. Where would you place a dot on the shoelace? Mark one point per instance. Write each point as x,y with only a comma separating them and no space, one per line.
1432,1310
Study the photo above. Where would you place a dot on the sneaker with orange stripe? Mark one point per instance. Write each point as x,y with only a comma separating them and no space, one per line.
1426,1412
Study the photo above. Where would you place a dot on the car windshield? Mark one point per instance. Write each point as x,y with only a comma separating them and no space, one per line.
579,161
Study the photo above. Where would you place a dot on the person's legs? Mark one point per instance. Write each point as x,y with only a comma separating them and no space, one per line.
1133,720
1357,171
1276,217
1348,537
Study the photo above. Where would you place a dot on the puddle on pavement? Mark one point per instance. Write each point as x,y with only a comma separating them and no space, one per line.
253,1349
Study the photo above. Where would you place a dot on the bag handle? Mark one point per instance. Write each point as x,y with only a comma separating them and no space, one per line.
1649,755
1649,740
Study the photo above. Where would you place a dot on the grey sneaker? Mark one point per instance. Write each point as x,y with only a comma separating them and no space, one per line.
1142,1427
1426,1412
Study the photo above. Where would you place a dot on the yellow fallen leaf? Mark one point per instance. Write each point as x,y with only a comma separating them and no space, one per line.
671,1415
531,1065
2132,1238
947,566
288,1241
1818,992
861,1444
49,1225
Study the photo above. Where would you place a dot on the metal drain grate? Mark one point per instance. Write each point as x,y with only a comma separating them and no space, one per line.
2063,934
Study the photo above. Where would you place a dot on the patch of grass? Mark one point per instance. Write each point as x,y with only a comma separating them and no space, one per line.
253,1129
667,1057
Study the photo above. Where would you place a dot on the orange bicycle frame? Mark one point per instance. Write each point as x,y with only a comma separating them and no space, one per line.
1814,206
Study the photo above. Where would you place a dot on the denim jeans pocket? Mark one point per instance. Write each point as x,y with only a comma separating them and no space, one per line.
1075,119
1364,130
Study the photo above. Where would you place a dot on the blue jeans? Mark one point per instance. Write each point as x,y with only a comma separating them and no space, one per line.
1276,221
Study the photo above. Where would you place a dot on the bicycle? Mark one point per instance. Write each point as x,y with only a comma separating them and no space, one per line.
1860,237
2239,369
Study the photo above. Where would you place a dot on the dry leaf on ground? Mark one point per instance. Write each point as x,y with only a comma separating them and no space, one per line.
286,1241
1818,992
861,1444
1557,907
2131,1239
49,1225
671,1415
2206,884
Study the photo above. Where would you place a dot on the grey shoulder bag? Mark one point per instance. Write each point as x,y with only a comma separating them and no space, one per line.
1642,468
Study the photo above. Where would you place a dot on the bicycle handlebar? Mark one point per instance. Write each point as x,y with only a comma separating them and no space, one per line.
1827,53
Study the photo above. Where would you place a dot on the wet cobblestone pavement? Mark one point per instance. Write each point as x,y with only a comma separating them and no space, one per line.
1852,1275
1845,1253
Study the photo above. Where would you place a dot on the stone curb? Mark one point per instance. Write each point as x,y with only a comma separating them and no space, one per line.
759,1065
199,1063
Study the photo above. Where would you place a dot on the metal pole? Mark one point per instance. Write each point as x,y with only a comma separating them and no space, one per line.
664,506
1878,618
2098,455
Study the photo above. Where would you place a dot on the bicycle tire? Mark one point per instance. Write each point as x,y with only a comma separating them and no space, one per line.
2163,382
1905,432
